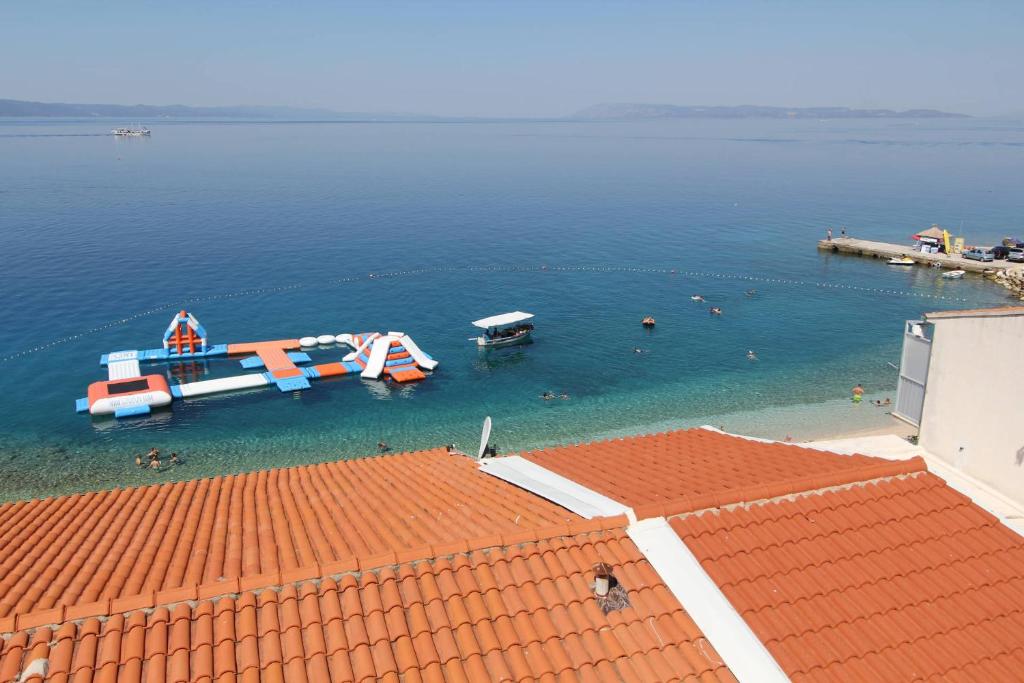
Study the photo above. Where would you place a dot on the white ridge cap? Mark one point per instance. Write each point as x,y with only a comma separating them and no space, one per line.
528,475
739,647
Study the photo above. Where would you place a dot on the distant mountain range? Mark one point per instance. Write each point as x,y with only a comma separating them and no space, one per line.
598,112
625,111
149,111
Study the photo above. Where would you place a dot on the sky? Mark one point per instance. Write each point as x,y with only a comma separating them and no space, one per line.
520,58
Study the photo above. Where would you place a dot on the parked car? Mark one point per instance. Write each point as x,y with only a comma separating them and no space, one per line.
1016,254
977,254
999,252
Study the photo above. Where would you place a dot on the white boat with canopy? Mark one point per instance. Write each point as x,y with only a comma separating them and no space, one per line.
505,329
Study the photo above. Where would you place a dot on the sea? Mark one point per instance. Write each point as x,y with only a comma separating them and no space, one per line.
277,230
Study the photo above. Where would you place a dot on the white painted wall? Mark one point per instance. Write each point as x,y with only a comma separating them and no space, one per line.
973,415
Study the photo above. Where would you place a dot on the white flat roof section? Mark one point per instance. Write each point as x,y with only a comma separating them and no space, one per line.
586,503
503,319
741,650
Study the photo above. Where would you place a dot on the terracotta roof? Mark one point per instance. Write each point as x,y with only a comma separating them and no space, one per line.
673,472
156,544
517,613
899,579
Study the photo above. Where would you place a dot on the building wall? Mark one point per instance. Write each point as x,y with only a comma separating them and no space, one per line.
973,414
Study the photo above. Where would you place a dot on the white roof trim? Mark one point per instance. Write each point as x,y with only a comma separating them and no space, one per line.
543,482
741,650
503,319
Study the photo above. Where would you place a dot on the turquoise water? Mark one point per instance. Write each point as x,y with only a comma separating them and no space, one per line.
267,231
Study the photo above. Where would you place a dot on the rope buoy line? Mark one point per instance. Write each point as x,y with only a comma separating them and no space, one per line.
462,269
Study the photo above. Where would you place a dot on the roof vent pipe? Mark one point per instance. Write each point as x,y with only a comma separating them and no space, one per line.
602,579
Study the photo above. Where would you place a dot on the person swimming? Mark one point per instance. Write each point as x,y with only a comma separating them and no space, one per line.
547,396
696,297
751,292
751,355
715,310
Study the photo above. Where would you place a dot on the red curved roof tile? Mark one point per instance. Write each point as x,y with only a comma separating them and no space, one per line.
158,544
673,472
898,579
525,612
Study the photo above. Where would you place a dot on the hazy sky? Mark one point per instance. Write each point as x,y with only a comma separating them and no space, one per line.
516,58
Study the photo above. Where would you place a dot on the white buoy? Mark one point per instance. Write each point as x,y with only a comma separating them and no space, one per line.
343,338
325,339
307,341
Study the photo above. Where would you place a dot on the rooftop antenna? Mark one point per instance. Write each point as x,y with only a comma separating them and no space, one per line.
485,436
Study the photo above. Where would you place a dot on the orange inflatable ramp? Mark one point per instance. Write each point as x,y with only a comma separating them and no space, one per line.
407,374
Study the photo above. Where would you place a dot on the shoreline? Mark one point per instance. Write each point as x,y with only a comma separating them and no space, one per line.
802,422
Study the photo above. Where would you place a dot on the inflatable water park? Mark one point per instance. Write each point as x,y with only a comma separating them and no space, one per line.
282,363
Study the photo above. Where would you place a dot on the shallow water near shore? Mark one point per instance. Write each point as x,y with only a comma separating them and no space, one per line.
269,231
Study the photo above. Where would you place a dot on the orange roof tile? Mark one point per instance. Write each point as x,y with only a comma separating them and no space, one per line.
680,471
899,579
188,540
515,613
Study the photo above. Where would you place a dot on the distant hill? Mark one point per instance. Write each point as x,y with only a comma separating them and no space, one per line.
625,111
149,111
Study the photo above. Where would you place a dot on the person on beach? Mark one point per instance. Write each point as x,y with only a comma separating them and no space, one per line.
383,447
830,234
842,233
858,393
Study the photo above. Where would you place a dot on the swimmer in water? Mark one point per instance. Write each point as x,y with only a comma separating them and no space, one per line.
751,355
564,396
751,292
696,297
715,310
547,396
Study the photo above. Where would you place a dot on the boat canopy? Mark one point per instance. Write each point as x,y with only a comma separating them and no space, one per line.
503,319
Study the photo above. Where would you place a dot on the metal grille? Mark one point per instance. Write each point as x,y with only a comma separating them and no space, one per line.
917,351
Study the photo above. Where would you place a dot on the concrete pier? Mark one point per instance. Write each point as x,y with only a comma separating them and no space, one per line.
884,250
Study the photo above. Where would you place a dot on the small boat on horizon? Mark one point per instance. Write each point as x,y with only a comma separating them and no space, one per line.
137,132
505,329
901,261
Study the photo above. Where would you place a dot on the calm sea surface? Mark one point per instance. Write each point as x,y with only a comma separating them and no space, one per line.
272,230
